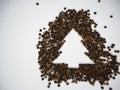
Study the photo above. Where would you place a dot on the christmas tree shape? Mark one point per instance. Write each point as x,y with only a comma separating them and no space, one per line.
72,51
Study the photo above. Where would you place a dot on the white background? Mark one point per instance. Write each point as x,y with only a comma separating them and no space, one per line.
20,21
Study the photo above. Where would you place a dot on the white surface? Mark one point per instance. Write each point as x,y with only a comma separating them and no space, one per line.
20,21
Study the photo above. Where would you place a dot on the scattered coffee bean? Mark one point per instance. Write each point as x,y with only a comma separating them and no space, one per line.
58,85
102,87
111,16
40,30
64,8
113,77
110,88
67,83
95,13
49,83
48,86
37,3
99,1
105,26
60,51
39,34
42,78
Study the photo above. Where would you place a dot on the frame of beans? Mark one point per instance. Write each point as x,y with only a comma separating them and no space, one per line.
51,40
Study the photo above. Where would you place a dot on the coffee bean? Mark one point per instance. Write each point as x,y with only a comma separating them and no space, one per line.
105,26
40,30
42,78
37,3
111,16
110,88
48,86
64,8
99,1
113,77
58,85
95,13
102,87
67,83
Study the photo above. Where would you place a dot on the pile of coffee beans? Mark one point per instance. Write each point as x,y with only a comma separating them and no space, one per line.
51,40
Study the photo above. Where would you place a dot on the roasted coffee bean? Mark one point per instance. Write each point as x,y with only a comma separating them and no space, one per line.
37,3
64,8
58,85
60,51
113,77
95,13
67,83
48,86
111,16
110,88
99,1
49,83
40,30
102,87
42,78
105,26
